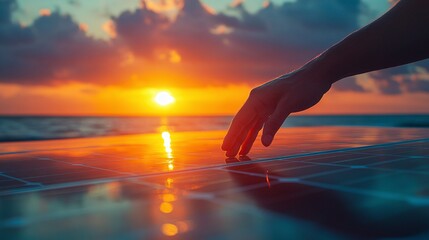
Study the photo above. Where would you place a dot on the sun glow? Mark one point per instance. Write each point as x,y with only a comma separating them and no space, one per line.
164,98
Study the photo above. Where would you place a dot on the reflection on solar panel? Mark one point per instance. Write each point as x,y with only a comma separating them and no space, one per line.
326,182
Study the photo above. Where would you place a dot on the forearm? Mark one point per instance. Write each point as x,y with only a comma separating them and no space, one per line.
398,37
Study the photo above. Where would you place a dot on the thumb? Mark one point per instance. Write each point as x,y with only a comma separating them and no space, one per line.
274,122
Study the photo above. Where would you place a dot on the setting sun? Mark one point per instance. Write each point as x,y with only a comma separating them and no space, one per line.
164,98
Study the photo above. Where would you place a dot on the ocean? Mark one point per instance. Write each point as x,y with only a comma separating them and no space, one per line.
26,128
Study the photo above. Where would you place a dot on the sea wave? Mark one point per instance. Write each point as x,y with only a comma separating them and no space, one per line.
29,128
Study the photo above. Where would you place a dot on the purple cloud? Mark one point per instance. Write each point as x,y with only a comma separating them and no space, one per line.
226,48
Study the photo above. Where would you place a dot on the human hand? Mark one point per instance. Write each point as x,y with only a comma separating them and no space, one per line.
269,105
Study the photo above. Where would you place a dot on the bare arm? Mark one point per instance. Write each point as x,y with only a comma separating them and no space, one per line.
400,36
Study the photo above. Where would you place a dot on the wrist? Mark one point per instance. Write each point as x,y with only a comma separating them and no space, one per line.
322,70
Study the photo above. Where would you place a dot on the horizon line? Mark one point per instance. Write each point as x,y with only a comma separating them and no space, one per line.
220,115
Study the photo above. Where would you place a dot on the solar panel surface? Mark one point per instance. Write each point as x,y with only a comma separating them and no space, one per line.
323,182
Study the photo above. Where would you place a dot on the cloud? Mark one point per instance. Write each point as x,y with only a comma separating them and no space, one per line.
140,30
195,47
412,78
52,49
6,8
256,47
386,85
348,84
11,34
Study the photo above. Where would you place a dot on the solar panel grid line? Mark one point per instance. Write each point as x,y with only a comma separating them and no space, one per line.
298,160
288,168
243,172
243,189
88,166
388,161
421,171
352,159
15,152
60,186
404,146
329,156
279,167
406,151
385,155
143,183
324,173
18,179
334,164
15,185
75,177
378,194
286,179
363,179
38,175
401,171
286,158
364,162
105,169
59,174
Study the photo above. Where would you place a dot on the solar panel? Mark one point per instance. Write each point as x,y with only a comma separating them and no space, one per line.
324,182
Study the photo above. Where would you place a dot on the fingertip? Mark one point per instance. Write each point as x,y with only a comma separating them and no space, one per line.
230,154
266,139
243,152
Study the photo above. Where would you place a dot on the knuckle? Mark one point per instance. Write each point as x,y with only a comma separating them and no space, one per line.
255,92
276,121
257,99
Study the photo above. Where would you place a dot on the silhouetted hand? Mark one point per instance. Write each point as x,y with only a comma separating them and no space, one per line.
269,105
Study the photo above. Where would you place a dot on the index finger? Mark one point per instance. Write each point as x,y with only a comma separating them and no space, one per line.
241,123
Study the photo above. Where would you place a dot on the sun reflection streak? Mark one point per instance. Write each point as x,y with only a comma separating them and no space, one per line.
169,182
267,179
169,229
168,197
168,150
166,207
168,204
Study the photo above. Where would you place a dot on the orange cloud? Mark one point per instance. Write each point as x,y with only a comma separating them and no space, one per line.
109,28
221,29
45,12
168,7
84,27
236,3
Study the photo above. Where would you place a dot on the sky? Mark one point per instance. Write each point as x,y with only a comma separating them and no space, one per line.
111,57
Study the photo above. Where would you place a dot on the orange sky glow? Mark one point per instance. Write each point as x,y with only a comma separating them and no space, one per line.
207,60
75,99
